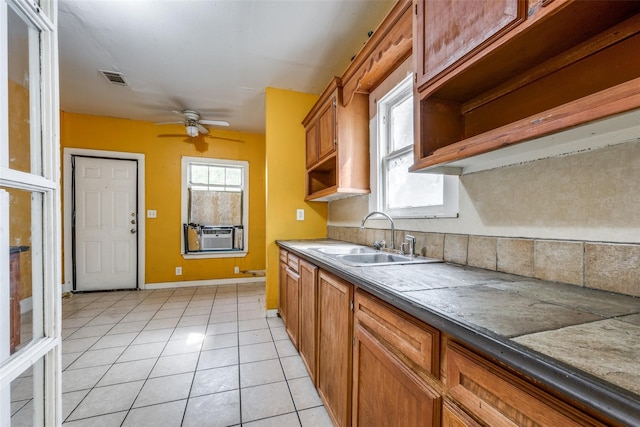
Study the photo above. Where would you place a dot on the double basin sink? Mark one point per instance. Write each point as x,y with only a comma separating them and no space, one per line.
359,256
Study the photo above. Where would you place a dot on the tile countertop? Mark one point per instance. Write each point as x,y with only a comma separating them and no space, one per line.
584,343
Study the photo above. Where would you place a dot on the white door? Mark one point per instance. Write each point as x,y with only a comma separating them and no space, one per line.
106,223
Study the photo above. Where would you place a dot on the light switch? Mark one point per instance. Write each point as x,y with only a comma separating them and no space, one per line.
152,213
300,214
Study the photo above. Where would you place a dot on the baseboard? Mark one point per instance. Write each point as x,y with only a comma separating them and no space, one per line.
212,282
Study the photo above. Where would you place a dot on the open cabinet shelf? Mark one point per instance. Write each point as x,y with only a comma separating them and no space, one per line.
566,66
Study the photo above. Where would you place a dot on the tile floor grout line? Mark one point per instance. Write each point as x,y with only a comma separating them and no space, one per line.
114,363
242,299
195,369
103,375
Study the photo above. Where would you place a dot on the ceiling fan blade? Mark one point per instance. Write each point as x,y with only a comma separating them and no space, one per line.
169,123
215,122
178,112
172,135
203,130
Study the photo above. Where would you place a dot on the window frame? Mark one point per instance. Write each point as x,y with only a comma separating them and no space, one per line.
379,131
184,202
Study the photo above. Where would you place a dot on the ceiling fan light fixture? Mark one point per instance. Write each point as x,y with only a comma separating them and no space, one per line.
192,130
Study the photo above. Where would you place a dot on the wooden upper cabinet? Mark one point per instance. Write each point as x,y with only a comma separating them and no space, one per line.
312,145
337,144
321,134
495,73
448,30
327,122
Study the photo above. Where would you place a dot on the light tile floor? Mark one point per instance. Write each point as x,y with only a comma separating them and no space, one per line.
201,356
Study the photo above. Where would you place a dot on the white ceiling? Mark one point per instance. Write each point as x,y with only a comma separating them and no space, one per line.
216,57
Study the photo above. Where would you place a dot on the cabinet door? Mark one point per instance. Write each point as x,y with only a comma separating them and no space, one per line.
308,331
385,391
293,300
334,347
312,145
327,129
446,31
282,290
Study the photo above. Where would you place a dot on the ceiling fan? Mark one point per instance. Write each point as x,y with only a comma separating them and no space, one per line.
194,124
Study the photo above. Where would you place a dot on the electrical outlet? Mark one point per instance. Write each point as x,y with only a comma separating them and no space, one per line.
236,269
178,271
300,214
152,213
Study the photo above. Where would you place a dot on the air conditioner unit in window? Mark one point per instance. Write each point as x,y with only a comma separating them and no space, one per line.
216,238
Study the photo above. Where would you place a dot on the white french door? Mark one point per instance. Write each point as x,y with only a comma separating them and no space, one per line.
30,279
106,223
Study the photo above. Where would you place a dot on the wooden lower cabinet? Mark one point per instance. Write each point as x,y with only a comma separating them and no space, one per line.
374,365
282,286
335,322
452,416
292,322
308,314
385,391
499,398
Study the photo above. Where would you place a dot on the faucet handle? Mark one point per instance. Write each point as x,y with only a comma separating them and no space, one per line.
403,245
379,244
412,244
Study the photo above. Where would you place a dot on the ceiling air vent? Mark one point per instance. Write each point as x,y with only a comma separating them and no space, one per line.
114,77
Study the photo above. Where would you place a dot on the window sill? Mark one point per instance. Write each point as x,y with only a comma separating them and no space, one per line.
221,254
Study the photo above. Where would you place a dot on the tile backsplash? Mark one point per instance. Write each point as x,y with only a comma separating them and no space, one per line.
606,266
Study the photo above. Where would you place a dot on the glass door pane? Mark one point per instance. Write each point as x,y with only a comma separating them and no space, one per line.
26,397
25,152
25,267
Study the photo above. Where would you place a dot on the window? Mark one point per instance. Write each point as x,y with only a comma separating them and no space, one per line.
400,193
214,207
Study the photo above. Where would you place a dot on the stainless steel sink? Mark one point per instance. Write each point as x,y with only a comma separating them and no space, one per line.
345,250
358,256
382,258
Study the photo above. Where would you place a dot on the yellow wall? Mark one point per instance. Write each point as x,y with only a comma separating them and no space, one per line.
285,163
163,186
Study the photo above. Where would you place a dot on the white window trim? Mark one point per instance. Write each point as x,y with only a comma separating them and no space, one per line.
186,160
450,207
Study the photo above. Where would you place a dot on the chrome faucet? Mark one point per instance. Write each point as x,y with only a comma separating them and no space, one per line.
393,227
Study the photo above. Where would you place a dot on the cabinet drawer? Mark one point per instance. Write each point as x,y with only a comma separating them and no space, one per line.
499,398
412,340
293,262
452,416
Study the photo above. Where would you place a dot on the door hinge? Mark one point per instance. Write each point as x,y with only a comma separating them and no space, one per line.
415,8
351,305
